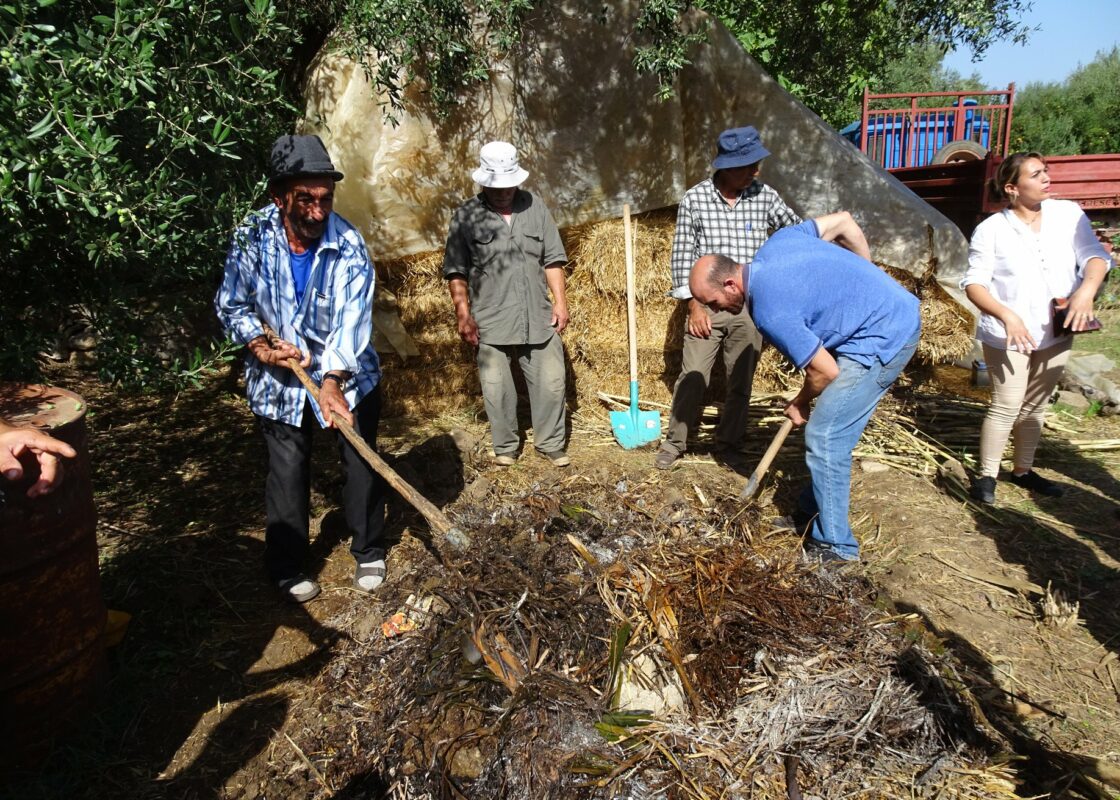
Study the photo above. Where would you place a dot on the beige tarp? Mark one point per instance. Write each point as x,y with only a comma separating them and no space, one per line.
593,135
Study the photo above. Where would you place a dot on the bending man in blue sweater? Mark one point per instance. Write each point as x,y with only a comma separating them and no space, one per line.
843,321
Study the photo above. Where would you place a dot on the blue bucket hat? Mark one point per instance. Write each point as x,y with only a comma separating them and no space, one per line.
739,147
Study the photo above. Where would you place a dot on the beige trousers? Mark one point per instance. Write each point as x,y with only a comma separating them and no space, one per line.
543,367
1021,387
741,343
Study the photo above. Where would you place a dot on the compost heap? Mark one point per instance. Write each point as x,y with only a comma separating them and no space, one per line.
621,640
443,376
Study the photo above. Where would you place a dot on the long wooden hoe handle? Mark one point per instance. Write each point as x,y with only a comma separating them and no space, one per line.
436,518
767,458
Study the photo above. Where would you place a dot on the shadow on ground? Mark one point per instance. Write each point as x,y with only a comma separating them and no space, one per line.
1053,546
205,675
985,715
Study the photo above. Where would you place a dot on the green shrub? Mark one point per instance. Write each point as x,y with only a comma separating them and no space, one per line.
132,137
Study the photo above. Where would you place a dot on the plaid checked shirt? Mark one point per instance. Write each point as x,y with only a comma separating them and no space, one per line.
333,323
707,224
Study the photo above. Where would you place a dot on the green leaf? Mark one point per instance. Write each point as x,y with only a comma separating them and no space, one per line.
42,127
627,719
620,637
612,733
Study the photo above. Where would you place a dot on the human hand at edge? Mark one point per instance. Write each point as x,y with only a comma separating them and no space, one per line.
331,399
275,351
14,442
798,411
560,317
468,329
1017,334
1079,312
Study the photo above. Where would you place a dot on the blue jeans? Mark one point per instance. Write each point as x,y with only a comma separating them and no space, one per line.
835,425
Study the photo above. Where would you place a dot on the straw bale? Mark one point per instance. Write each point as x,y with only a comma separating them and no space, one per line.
947,328
444,377
601,255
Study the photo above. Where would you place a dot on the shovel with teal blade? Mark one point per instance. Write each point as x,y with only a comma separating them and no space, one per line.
633,428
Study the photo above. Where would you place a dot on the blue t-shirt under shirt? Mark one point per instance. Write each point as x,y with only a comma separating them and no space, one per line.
301,269
805,293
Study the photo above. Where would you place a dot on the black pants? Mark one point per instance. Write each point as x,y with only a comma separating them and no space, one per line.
287,493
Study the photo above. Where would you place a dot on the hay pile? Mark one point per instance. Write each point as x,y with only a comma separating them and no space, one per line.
947,328
785,678
444,378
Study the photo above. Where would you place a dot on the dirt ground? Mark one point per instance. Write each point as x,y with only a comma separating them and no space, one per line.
215,677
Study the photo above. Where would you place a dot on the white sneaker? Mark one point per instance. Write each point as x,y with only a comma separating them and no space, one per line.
299,589
369,576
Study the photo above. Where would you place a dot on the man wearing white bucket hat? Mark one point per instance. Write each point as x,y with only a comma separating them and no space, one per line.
503,258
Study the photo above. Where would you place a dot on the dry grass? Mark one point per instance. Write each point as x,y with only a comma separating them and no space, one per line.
791,679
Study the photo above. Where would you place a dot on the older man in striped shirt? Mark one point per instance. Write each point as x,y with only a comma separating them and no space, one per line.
299,284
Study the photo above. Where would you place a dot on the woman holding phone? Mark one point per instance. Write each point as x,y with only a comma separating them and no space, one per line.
1021,260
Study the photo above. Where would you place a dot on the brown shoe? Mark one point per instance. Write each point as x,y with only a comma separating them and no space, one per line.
559,458
665,459
505,459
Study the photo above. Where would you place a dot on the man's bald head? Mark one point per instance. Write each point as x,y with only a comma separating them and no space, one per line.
717,282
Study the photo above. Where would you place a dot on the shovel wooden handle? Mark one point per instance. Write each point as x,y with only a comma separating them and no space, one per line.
767,458
631,306
436,518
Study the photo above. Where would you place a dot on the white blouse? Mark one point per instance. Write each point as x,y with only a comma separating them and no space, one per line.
1025,270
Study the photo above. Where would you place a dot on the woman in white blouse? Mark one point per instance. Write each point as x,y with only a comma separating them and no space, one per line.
1019,261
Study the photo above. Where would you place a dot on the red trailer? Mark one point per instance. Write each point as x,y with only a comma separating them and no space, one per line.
946,147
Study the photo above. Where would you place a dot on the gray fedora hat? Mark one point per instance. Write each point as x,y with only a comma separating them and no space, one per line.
298,156
739,147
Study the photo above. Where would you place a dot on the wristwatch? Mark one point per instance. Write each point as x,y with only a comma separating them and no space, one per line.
341,381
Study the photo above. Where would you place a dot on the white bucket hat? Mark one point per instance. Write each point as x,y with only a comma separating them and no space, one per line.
499,168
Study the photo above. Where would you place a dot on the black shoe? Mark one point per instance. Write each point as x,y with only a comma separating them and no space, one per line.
1034,482
729,456
984,490
815,551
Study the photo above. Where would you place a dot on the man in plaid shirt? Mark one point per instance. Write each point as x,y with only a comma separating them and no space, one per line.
729,214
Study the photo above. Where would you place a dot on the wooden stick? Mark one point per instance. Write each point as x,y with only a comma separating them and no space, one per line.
436,518
631,306
767,458
714,409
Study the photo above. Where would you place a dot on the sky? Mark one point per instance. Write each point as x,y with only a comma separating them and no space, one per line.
1071,32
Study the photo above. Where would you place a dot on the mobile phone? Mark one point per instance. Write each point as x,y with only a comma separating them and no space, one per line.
1060,306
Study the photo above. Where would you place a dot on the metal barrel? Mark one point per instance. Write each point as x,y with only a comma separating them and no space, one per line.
52,616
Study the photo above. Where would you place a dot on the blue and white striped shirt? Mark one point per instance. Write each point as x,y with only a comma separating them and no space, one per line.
333,323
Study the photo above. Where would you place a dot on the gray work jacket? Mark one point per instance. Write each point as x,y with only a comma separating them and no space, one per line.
503,265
